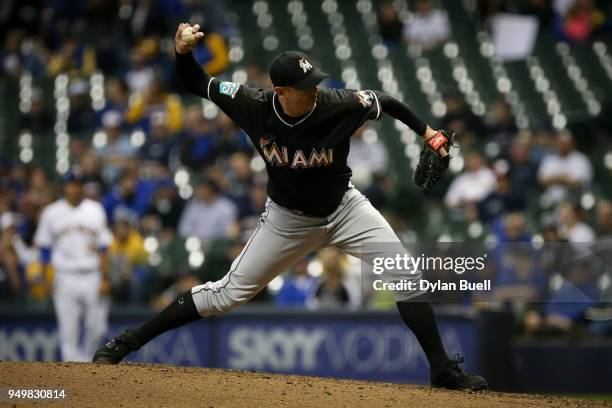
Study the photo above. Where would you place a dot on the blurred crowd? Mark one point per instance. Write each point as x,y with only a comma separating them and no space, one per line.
183,187
182,190
427,25
544,205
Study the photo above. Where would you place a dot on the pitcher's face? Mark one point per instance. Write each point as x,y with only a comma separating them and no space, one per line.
296,101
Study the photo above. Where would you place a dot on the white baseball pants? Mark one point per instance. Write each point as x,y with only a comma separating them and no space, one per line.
77,300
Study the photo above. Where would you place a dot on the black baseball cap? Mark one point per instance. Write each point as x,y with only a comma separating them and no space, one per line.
293,69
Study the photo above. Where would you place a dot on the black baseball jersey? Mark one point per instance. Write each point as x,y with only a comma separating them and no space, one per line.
306,157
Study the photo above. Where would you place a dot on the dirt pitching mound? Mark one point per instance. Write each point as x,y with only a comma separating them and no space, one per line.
134,385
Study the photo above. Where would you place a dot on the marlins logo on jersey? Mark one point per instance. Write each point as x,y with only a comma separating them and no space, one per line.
365,98
280,156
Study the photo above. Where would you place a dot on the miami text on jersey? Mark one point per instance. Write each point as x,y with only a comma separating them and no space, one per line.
280,156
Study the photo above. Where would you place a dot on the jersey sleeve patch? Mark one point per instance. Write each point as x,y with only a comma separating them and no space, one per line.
365,98
368,100
229,88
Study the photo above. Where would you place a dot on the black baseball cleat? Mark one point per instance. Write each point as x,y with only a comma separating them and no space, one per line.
449,375
115,350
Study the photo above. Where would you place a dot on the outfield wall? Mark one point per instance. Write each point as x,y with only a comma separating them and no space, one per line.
360,345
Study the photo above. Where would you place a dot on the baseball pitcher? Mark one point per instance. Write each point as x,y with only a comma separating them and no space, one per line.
303,134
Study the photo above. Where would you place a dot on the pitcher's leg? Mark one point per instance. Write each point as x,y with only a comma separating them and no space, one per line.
265,255
363,232
271,249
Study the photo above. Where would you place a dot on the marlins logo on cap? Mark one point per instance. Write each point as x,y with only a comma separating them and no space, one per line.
293,69
305,65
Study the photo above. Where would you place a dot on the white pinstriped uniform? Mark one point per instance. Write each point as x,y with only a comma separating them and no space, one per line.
74,235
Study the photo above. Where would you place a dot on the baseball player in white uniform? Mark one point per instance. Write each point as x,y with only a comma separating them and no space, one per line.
73,237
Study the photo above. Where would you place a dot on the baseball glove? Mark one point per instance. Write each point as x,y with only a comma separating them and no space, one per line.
432,166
